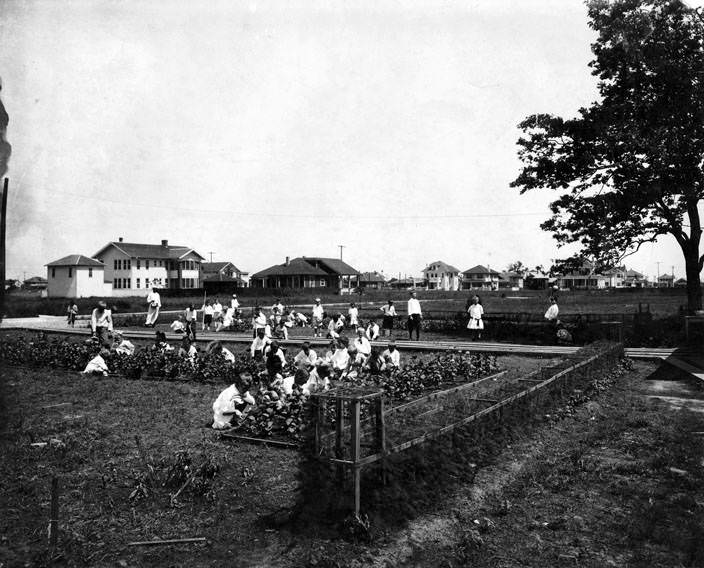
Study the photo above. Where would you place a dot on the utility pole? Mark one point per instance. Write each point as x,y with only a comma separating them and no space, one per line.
657,282
341,247
211,253
3,219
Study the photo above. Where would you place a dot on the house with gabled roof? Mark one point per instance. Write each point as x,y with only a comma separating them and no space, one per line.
133,268
224,272
307,272
439,275
372,280
480,277
76,276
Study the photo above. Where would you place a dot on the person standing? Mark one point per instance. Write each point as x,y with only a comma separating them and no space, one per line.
191,322
553,311
414,316
259,322
101,323
208,312
372,331
318,316
387,323
217,310
476,323
235,303
71,313
153,307
353,314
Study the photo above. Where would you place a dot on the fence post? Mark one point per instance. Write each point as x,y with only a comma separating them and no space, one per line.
355,431
339,428
381,436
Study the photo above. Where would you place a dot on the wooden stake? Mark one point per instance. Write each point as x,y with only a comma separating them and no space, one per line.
54,514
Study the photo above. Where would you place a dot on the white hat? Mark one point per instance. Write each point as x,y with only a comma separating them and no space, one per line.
317,299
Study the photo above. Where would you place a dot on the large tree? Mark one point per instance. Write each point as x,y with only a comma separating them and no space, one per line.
630,167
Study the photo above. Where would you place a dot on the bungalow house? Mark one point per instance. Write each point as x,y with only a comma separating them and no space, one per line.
512,280
633,279
372,281
76,276
132,268
620,277
681,283
307,272
35,283
584,277
404,283
480,277
439,275
224,272
666,281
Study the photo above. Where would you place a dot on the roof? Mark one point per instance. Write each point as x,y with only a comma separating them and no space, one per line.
371,277
138,250
295,267
333,264
36,280
510,274
214,266
479,269
76,260
216,278
442,267
634,274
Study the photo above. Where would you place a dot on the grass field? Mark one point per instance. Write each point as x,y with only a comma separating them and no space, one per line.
661,302
619,483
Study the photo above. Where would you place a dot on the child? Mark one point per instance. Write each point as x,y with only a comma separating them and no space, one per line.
188,350
160,343
177,326
71,313
230,402
191,322
372,331
208,312
353,314
392,357
318,315
97,365
387,324
476,323
122,345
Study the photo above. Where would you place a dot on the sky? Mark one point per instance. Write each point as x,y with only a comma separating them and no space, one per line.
260,130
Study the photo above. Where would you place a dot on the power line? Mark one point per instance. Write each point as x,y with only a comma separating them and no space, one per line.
294,215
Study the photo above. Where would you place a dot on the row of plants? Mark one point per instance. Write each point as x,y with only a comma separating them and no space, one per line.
274,413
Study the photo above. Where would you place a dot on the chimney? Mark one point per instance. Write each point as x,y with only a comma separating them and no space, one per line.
119,239
164,243
288,261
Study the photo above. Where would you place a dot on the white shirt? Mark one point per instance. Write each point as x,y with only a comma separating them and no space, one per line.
191,315
552,312
125,347
315,383
476,311
414,307
372,332
208,309
339,360
96,365
217,308
363,346
234,303
278,308
318,311
154,298
224,406
354,314
259,344
260,321
101,320
227,354
191,353
177,325
309,359
301,317
392,358
388,310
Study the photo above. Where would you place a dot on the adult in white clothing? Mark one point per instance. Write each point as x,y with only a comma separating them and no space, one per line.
553,311
318,315
372,331
391,356
362,346
414,316
153,307
306,356
101,323
353,314
230,402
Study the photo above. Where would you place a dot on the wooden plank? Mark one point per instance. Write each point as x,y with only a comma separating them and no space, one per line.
267,441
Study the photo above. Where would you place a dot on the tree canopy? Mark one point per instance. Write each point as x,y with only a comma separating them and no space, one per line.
630,167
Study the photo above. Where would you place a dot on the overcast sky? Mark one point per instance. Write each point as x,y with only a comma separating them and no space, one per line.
258,130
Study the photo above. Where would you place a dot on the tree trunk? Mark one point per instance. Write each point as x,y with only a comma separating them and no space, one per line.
694,287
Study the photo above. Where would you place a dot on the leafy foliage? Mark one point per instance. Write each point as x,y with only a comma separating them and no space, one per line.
630,166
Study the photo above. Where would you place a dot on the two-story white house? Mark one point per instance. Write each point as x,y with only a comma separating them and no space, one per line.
439,275
76,276
480,277
133,268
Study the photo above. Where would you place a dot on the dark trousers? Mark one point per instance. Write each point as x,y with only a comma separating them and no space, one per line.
414,323
102,334
191,329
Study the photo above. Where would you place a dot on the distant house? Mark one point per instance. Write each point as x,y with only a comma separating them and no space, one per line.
372,280
480,277
11,284
132,268
439,275
35,283
666,281
76,276
621,277
584,277
510,280
224,272
681,283
537,281
404,283
307,272
634,279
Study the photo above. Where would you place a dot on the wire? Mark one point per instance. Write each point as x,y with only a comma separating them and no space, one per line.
292,215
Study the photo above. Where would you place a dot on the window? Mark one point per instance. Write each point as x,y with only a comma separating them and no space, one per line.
70,272
117,282
90,273
53,272
128,281
137,281
146,282
323,283
146,264
139,265
128,264
183,282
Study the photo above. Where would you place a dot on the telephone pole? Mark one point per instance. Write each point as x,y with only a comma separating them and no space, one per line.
341,247
211,253
657,282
